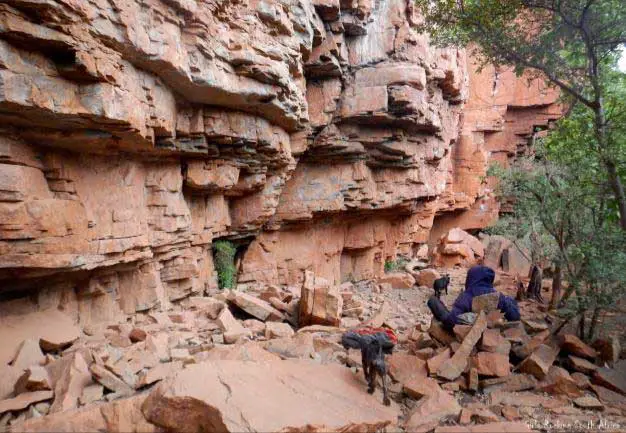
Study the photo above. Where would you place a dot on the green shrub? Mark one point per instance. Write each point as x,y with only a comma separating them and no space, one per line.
393,265
224,260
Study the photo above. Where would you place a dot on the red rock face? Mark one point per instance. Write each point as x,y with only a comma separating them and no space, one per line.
329,134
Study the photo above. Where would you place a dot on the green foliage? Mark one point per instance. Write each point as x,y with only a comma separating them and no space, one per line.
224,258
572,44
562,204
393,265
560,39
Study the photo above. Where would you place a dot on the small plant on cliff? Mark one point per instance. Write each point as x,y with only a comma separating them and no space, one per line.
224,258
394,265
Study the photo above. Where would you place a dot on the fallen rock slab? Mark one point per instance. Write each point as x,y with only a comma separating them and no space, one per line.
486,303
24,400
607,396
435,363
9,376
492,364
612,378
559,381
457,364
398,280
418,387
320,303
278,330
70,376
426,277
588,403
608,349
51,328
233,330
158,372
109,380
234,396
404,367
257,307
430,410
91,393
519,399
526,349
581,364
511,383
35,378
438,332
210,306
300,346
493,341
539,362
28,354
123,415
582,381
575,346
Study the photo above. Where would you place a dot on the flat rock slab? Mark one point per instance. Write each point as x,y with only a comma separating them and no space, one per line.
430,410
52,328
239,396
24,400
612,378
588,403
575,346
453,368
257,307
123,415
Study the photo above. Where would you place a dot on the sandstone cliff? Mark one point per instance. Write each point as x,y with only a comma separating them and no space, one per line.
320,134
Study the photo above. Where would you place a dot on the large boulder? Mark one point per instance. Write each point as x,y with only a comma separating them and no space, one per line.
426,277
320,303
398,280
516,260
235,396
494,248
256,307
457,247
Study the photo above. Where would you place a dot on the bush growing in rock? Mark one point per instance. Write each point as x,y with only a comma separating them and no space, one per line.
224,256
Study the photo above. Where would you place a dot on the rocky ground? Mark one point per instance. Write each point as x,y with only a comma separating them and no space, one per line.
233,362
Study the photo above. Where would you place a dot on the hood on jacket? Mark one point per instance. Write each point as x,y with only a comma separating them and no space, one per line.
479,280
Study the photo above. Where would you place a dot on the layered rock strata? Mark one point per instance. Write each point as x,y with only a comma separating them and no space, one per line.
320,134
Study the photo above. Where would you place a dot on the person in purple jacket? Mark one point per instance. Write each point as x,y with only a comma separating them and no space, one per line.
479,281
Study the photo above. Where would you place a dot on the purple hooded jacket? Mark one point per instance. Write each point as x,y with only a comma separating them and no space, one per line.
479,281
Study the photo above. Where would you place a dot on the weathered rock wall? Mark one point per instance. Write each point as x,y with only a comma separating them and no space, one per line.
326,134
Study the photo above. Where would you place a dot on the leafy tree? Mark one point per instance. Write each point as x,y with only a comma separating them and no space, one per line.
571,43
561,195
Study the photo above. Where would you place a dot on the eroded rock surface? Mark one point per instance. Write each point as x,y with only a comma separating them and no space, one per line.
325,134
236,396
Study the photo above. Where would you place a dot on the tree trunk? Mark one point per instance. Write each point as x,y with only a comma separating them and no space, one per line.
556,288
595,318
618,190
534,285
521,291
581,326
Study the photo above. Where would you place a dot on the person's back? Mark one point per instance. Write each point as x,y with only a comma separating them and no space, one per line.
479,281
